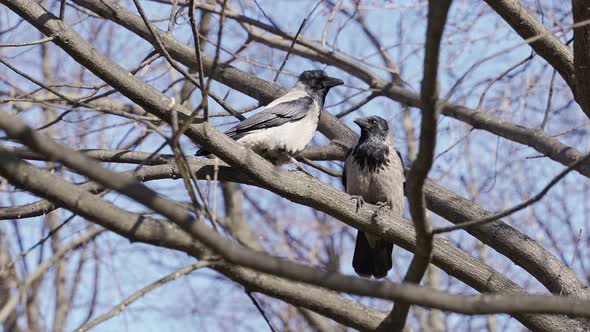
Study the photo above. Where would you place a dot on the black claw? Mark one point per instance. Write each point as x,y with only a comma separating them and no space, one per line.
360,201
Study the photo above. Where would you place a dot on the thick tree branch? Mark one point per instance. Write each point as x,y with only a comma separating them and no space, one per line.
518,247
581,11
24,175
548,46
266,91
293,186
139,228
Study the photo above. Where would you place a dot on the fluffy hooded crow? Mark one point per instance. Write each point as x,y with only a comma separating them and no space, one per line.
374,172
286,125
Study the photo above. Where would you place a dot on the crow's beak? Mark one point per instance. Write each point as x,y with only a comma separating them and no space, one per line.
362,122
331,82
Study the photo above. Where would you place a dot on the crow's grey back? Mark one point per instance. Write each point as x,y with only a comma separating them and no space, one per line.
273,116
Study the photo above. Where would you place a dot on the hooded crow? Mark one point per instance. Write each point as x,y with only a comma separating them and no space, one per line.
374,173
286,125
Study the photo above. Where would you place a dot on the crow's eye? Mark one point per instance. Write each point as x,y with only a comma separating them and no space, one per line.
373,121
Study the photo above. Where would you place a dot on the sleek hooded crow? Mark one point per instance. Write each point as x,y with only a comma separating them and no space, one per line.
286,125
374,172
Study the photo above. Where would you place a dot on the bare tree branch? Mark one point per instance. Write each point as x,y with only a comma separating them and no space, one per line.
140,293
139,228
581,12
40,271
265,92
437,16
516,208
21,44
557,277
548,46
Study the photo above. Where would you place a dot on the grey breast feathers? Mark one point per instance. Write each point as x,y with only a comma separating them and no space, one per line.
380,182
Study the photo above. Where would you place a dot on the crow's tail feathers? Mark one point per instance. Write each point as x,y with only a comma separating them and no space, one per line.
372,261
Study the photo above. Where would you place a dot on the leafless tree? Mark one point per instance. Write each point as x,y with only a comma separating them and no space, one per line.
110,223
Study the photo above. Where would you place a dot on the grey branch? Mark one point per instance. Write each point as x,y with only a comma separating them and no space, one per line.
437,16
139,228
548,46
581,12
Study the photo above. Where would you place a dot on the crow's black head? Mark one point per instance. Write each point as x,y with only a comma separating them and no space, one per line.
372,151
373,127
317,82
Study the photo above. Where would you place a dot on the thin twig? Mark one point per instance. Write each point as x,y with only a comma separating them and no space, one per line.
576,248
40,271
549,100
357,105
161,47
39,83
215,184
137,295
21,44
499,77
213,70
330,19
266,15
289,51
320,167
62,10
40,242
182,167
197,43
261,311
515,208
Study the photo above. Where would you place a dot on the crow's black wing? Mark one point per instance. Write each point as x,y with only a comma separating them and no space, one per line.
278,114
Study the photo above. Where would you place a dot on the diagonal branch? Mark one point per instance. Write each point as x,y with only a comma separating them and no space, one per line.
19,173
515,208
543,265
139,228
140,293
266,91
505,239
451,209
296,187
548,46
